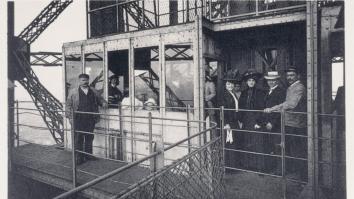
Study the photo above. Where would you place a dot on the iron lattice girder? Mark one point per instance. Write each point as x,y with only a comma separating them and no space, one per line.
46,59
137,13
43,20
48,106
180,53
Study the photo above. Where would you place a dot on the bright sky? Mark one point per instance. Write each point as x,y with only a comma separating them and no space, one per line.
69,26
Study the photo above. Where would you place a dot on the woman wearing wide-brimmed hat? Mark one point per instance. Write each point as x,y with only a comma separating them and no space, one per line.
252,99
231,97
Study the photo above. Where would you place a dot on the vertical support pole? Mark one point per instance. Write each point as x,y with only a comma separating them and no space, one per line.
158,13
150,132
73,146
120,150
88,21
11,74
187,10
183,11
257,4
155,14
210,13
222,124
311,35
188,128
17,124
143,13
282,145
131,93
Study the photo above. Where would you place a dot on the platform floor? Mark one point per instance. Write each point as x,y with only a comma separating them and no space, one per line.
52,165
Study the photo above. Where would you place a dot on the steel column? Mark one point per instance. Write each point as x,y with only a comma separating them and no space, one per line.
312,98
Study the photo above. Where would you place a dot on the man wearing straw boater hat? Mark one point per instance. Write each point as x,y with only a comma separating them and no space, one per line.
295,122
272,121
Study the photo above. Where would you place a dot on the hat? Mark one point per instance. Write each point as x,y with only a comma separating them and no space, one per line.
233,76
113,77
83,75
251,73
292,69
272,75
150,100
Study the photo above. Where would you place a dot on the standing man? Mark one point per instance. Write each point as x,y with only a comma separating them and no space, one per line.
295,123
272,121
84,99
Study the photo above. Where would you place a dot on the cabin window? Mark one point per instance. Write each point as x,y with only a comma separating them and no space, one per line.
146,77
73,67
94,68
179,76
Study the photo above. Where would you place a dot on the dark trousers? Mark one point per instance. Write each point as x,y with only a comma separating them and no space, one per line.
296,147
84,126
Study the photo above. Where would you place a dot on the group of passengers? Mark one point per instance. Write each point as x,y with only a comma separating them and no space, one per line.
252,121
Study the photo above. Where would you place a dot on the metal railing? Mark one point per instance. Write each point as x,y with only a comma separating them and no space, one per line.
139,15
160,152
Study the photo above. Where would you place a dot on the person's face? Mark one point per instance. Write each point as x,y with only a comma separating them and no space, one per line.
272,82
114,82
229,86
237,87
83,82
292,77
251,82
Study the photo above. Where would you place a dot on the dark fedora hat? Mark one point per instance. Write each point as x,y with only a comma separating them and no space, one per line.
292,69
233,76
84,75
251,73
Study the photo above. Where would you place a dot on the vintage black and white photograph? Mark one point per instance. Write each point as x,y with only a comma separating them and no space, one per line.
187,99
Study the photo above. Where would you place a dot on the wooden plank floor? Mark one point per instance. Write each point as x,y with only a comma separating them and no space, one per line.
53,166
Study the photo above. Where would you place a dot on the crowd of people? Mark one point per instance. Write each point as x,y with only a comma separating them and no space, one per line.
254,111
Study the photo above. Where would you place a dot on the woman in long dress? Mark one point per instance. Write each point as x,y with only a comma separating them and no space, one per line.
252,99
231,118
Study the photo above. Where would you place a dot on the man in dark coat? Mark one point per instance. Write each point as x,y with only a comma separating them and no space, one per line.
80,100
272,121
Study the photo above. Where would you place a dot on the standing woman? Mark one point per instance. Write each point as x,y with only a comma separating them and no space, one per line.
231,117
252,98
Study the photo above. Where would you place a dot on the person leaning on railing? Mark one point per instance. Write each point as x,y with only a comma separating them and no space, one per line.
272,121
84,99
295,122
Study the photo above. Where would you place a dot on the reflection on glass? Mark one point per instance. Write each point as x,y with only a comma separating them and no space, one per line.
73,68
147,78
94,68
179,75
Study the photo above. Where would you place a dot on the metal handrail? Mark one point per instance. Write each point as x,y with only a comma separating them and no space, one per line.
121,169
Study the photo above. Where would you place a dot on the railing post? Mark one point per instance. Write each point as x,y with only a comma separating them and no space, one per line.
257,4
282,145
73,146
123,139
222,120
17,124
188,128
150,141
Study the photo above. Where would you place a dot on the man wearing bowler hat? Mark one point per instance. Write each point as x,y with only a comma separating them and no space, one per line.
82,100
272,121
295,123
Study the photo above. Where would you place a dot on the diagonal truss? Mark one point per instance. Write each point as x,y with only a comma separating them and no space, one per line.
137,13
46,58
48,106
43,20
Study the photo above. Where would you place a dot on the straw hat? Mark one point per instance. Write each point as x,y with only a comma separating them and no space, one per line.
272,75
150,101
